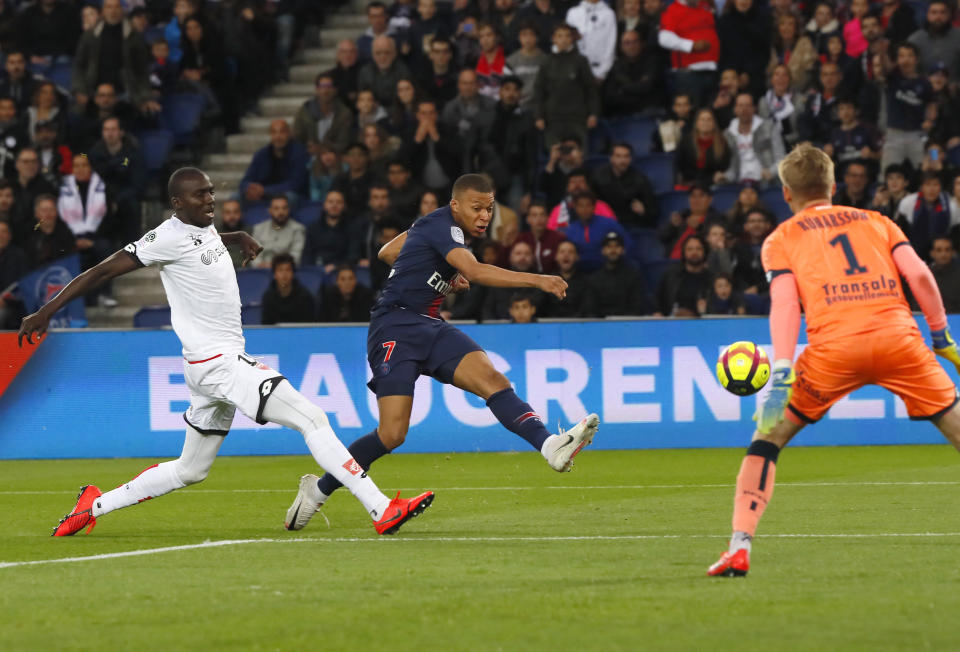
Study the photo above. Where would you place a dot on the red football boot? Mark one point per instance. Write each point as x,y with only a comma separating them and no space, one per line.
82,514
400,510
731,564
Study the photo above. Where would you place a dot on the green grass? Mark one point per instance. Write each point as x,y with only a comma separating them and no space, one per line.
447,583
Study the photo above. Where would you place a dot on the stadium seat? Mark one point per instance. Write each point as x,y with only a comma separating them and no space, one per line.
309,212
658,168
636,131
152,317
647,247
156,146
598,139
653,271
251,313
773,198
674,200
953,155
757,305
253,283
724,197
256,213
363,276
593,162
311,278
60,74
181,115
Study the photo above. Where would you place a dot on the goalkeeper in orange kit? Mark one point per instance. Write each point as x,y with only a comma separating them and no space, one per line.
844,265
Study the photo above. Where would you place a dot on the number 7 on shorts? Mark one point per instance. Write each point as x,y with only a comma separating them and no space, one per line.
389,346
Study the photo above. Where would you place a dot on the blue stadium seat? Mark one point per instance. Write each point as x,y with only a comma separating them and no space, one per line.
593,162
773,198
724,197
253,283
636,131
181,115
312,278
647,247
598,139
659,170
156,146
652,272
256,213
757,305
674,200
363,277
953,155
251,313
152,317
60,74
309,212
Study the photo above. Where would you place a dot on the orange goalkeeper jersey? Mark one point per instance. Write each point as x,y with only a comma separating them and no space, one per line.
842,260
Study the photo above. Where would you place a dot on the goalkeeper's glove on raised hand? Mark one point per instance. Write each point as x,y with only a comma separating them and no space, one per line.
945,347
770,413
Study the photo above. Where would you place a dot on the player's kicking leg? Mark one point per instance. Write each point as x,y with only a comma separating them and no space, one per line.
289,408
753,494
193,465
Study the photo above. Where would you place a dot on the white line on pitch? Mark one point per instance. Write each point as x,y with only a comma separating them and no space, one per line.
387,541
551,488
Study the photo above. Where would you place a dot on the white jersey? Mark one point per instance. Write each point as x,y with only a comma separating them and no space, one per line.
200,283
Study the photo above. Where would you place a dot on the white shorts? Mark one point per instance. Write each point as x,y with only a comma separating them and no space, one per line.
220,385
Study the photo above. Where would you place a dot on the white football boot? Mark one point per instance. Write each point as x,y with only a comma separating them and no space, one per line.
559,450
309,499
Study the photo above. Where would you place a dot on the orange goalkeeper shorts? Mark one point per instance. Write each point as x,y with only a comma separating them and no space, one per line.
898,361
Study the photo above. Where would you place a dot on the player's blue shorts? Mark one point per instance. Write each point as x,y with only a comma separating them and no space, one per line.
403,345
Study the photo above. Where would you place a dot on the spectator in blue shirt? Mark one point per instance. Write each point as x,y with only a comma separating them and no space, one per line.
280,167
588,230
910,109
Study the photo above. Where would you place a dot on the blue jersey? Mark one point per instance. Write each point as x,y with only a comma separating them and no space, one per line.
421,275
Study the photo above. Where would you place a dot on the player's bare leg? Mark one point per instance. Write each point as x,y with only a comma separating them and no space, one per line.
476,374
949,425
753,494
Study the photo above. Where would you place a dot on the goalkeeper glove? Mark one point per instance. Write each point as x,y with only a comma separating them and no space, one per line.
770,413
945,347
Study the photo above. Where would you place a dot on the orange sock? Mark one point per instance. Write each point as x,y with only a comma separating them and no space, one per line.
754,485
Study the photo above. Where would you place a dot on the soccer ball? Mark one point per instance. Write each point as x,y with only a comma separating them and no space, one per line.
743,368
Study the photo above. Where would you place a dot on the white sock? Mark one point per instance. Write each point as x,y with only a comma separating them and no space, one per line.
740,541
154,481
196,458
333,456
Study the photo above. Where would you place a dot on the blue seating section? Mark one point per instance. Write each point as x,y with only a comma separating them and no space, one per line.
255,213
675,200
658,168
308,213
636,131
181,115
724,197
156,146
152,317
773,198
253,283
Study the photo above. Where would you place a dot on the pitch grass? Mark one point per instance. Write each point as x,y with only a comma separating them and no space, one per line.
413,592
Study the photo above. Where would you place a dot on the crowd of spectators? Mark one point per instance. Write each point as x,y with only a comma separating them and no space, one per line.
82,80
543,95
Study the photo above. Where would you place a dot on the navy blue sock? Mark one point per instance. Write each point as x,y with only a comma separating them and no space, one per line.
365,451
518,417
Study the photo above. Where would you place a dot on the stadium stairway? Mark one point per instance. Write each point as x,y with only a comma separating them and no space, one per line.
143,287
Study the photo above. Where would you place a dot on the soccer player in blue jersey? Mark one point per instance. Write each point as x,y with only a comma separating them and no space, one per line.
408,338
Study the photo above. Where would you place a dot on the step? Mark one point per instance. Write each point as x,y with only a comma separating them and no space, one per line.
329,37
245,143
260,125
226,181
279,106
323,58
119,317
302,91
223,162
356,21
305,73
141,295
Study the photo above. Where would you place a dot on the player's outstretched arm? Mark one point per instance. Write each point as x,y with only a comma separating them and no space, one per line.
251,248
784,330
116,265
476,272
388,253
927,294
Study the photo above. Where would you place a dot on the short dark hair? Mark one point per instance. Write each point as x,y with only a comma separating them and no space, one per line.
5,184
584,194
517,297
702,187
624,144
345,267
475,182
279,195
324,75
942,236
540,203
512,79
377,185
910,46
528,25
896,168
376,4
562,25
178,177
280,259
578,172
44,197
14,51
930,175
358,146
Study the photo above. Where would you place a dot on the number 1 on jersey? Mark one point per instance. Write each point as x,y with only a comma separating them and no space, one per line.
854,265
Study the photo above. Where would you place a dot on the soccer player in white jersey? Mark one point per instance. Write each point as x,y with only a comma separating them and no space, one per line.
201,286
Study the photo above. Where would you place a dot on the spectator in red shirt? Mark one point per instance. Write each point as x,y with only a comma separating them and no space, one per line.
688,31
543,241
